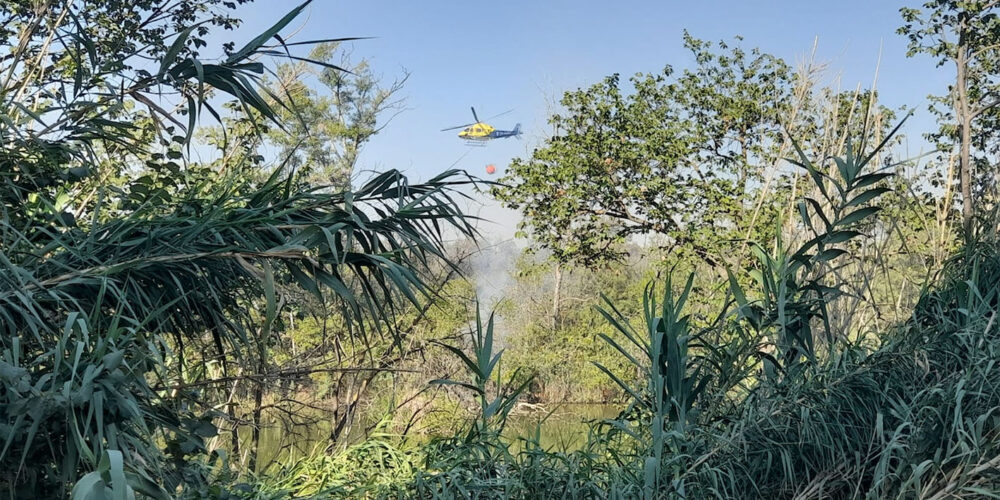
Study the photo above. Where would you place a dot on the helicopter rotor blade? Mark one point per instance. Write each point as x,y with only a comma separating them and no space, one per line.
458,127
474,114
499,115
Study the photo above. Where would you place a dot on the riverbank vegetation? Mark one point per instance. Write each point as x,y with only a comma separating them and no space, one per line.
765,294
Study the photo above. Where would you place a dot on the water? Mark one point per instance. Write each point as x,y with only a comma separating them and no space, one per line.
282,443
560,427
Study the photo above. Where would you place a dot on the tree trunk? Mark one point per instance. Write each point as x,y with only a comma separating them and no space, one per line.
745,168
231,410
965,173
258,400
258,404
963,115
555,295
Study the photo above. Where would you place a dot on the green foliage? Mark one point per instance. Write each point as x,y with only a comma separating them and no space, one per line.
666,365
102,52
561,355
914,418
325,131
674,157
107,289
484,365
909,418
142,297
964,34
194,283
107,482
673,380
795,287
375,468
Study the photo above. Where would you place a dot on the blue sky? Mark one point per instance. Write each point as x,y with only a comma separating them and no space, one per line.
500,55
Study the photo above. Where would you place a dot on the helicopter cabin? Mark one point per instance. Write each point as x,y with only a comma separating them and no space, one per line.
476,131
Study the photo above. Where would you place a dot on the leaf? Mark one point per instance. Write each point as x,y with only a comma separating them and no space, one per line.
815,174
887,138
804,214
620,349
818,210
840,236
116,469
857,216
192,122
830,254
867,196
626,387
734,286
89,487
257,42
471,365
205,429
175,48
867,180
843,168
325,40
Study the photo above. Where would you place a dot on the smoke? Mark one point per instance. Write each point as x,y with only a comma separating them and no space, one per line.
492,269
492,273
490,265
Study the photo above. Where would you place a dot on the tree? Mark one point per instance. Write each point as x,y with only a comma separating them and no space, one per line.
61,116
967,35
325,133
673,157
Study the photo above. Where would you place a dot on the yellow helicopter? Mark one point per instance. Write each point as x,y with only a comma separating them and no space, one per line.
482,132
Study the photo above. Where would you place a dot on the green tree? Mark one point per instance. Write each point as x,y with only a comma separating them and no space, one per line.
62,120
967,35
326,129
674,157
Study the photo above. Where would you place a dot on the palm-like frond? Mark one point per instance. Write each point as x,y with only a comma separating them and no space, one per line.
205,264
187,275
99,300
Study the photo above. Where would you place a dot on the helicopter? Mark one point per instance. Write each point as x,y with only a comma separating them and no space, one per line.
479,132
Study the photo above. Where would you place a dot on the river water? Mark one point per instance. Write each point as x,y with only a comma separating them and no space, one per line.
560,428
